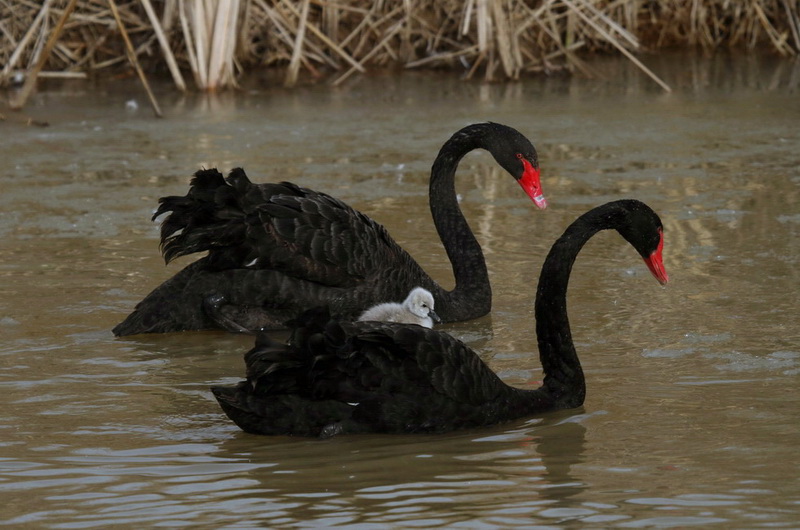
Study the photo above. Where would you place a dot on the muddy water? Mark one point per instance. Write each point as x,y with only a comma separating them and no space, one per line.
693,394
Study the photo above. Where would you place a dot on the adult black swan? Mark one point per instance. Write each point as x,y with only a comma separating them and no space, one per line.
275,250
338,377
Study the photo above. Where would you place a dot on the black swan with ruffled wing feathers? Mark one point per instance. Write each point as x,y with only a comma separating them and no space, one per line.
275,250
335,377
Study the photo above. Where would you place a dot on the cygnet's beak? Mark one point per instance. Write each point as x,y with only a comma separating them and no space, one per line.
434,317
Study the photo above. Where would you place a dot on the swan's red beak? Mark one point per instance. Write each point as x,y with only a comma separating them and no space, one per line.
531,184
655,262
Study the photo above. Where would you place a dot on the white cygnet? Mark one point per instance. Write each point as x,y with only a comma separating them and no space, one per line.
417,308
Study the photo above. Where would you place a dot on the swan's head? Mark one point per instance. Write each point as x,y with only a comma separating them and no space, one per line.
516,154
420,303
643,229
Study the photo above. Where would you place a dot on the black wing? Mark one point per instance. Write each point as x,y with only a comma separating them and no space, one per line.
283,227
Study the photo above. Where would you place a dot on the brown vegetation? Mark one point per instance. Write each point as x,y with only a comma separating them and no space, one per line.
496,39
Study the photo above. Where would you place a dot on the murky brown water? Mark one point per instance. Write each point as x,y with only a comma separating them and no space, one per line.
693,394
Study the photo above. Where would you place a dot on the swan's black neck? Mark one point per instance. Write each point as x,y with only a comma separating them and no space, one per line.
563,373
472,295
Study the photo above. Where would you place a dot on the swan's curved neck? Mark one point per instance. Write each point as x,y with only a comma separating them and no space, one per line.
472,295
563,373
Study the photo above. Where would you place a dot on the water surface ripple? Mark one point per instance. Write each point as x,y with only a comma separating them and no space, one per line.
691,411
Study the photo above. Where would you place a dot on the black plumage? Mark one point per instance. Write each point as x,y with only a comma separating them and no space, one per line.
275,250
335,376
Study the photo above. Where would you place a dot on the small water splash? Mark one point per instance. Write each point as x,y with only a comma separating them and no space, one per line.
785,362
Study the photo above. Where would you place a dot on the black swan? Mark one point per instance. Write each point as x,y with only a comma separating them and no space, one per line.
417,308
338,377
275,250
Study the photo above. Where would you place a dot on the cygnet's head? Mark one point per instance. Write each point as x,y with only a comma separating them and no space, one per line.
420,303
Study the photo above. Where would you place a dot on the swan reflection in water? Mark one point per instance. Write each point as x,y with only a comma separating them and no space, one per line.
531,465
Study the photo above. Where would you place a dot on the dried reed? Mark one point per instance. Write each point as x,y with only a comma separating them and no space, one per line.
498,39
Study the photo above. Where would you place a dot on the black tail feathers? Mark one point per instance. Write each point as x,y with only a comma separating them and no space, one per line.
209,216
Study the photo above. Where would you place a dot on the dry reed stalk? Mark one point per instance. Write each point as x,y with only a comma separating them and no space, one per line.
443,57
793,21
297,51
390,34
286,29
188,39
19,47
562,49
778,39
613,27
617,45
483,25
198,23
133,59
22,96
336,48
281,27
63,75
162,40
225,24
505,45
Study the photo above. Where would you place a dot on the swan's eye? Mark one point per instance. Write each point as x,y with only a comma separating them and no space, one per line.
520,156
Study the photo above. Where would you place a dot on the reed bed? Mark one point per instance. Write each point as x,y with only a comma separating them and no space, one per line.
217,40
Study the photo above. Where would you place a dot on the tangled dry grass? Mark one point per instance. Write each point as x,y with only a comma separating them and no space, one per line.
216,40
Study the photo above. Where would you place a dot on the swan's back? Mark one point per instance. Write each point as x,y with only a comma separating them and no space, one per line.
337,377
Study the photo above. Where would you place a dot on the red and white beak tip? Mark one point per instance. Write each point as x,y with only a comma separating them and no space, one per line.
658,271
530,182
